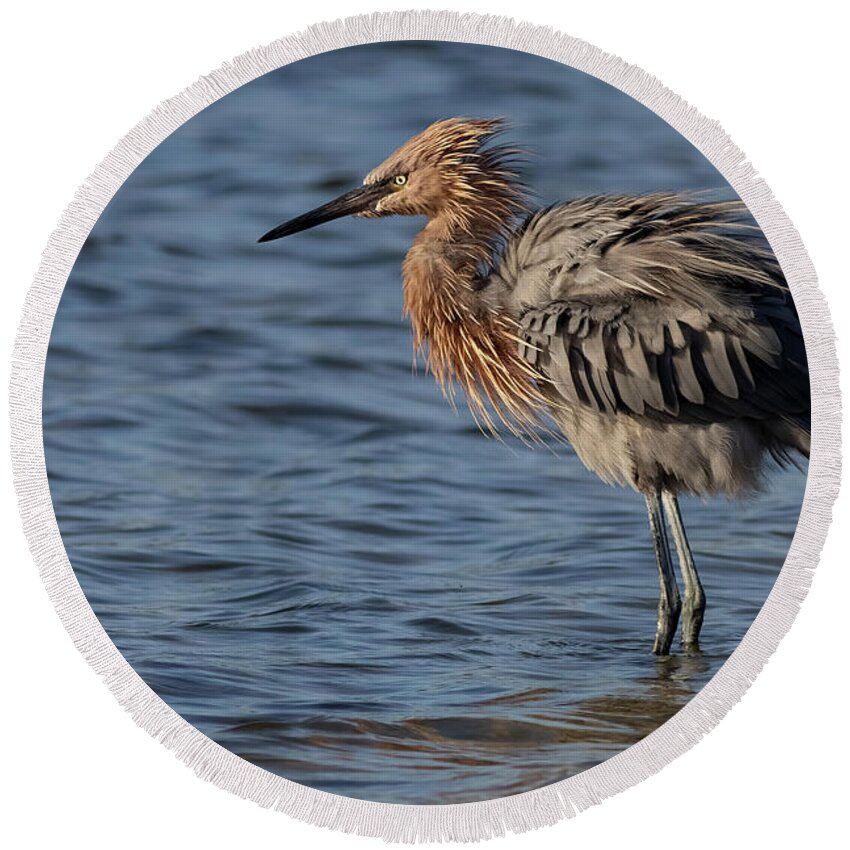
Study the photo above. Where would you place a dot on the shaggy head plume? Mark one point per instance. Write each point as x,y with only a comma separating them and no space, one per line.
453,172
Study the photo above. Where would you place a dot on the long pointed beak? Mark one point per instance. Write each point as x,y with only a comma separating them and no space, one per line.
358,200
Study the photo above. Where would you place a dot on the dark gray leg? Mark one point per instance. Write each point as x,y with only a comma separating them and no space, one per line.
694,607
669,603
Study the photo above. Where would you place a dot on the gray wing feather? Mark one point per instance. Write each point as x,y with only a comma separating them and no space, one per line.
562,375
686,378
602,380
717,363
629,393
742,366
676,335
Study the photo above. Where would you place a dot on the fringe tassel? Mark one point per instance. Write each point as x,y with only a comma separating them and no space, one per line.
472,821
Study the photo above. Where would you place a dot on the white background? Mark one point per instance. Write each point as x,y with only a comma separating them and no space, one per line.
76,770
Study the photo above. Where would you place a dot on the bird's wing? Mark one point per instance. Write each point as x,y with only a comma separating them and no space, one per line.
648,358
656,306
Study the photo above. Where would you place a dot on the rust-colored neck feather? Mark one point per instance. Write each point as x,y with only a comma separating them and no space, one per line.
467,341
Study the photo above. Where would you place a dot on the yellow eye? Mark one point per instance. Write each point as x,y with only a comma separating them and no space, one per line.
400,179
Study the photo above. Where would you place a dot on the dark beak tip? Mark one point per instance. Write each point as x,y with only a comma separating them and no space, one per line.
275,233
351,203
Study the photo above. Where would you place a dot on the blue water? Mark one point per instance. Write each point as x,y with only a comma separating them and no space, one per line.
286,530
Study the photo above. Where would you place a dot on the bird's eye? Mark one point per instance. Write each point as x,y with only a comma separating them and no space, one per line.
400,179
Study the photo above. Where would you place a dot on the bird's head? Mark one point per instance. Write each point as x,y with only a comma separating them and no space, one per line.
449,169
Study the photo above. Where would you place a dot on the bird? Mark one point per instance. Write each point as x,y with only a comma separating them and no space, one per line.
654,333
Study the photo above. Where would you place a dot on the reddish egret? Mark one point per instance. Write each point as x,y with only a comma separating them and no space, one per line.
656,331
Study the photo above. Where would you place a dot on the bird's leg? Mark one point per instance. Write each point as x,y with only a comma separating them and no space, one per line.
694,605
669,602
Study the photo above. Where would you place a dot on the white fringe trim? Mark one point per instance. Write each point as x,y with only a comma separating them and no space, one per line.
470,821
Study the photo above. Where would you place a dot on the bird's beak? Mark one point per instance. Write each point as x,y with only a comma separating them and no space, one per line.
358,200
